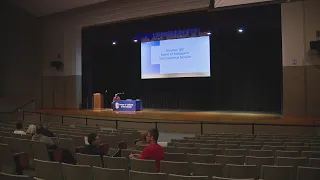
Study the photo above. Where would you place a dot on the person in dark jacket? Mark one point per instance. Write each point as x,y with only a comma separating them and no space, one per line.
46,132
93,147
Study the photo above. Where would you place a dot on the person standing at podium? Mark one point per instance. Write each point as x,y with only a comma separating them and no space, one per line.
116,97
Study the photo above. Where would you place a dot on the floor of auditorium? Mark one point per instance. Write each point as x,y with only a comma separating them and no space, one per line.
183,115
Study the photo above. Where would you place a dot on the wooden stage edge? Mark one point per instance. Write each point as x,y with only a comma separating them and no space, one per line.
194,116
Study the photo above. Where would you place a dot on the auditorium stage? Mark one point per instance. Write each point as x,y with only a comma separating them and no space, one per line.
190,116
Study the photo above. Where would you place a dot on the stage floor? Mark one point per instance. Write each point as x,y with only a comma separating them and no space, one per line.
182,115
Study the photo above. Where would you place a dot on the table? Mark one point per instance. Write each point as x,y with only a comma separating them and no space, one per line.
127,105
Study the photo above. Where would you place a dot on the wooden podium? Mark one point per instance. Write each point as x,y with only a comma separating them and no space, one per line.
98,101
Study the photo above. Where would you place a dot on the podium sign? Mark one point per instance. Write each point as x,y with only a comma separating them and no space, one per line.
127,105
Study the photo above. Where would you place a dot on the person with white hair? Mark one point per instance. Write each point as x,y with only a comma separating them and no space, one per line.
31,129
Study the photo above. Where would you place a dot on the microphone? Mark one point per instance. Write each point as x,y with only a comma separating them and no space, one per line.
106,91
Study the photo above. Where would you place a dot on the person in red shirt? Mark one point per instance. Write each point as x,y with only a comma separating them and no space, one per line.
154,151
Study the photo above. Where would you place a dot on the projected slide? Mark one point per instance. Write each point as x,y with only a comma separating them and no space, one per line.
175,58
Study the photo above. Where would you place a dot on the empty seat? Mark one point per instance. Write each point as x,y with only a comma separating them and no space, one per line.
110,174
135,175
5,176
292,161
261,153
184,145
242,171
178,157
227,146
205,145
48,170
115,162
213,151
277,172
143,165
78,172
204,169
280,153
236,152
187,150
201,158
40,151
259,161
170,167
67,143
308,173
310,154
273,148
92,160
298,148
220,159
221,178
314,162
180,177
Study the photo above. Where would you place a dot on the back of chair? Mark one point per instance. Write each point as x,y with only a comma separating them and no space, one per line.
143,165
242,171
308,173
170,167
200,158
4,176
48,170
280,153
311,154
236,152
78,172
110,174
7,163
314,162
40,151
259,161
178,157
180,177
135,175
204,169
292,161
261,153
229,159
67,143
115,162
91,160
277,172
221,178
186,150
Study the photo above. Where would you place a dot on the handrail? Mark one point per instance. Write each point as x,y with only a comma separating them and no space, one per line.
201,123
24,105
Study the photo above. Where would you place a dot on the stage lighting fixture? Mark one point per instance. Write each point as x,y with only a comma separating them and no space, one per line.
135,40
240,30
209,33
114,43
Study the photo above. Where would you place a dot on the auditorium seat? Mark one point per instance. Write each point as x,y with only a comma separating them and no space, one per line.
310,154
40,151
222,178
135,175
198,145
143,165
224,160
314,162
12,162
308,173
184,145
227,146
112,174
67,143
5,176
115,162
48,170
277,172
236,152
186,150
261,153
214,151
180,177
170,167
280,153
200,158
91,160
273,148
242,171
78,172
177,157
259,161
205,169
292,161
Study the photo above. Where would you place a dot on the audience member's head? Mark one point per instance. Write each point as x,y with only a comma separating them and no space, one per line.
152,136
18,125
143,136
31,129
93,139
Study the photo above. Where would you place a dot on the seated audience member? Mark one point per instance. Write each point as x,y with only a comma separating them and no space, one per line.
19,129
41,138
154,151
142,141
31,129
46,132
93,147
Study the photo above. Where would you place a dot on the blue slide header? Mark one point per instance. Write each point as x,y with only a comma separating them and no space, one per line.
169,33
